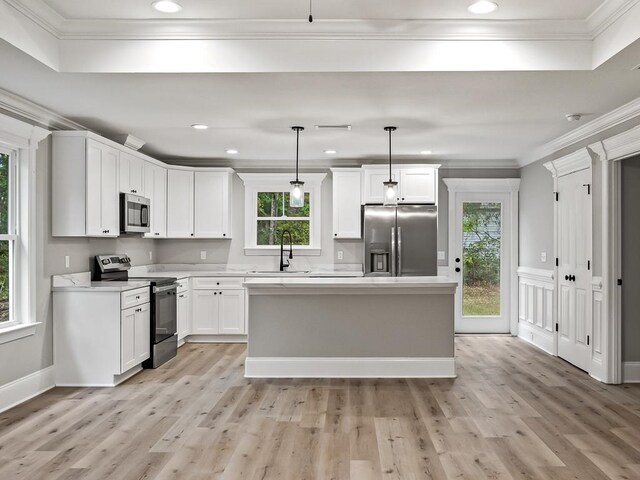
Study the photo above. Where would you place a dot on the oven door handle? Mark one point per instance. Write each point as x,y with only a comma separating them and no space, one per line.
173,286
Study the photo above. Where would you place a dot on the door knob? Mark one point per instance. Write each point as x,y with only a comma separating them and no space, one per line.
572,278
457,260
457,269
566,277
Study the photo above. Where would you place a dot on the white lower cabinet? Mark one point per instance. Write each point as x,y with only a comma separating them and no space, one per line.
206,311
218,307
135,336
184,314
100,337
231,320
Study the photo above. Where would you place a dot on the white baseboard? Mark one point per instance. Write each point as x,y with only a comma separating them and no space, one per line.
536,336
352,367
215,339
25,388
631,372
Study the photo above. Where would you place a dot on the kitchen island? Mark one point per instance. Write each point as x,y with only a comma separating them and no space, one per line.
350,327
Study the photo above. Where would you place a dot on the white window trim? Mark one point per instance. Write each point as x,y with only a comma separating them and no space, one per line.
23,139
279,182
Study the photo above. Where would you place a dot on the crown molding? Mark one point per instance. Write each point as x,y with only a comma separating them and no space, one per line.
33,113
620,115
348,29
607,14
574,162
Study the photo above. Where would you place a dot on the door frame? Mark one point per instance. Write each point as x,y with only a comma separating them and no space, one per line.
609,153
509,186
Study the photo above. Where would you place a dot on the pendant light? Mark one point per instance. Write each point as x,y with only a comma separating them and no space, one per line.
296,197
390,194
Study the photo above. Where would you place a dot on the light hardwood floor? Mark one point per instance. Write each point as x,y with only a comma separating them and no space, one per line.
512,413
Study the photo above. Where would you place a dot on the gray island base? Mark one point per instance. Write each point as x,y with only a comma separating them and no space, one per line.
368,327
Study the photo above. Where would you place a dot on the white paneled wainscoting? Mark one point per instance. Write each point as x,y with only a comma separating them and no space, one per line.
536,311
537,318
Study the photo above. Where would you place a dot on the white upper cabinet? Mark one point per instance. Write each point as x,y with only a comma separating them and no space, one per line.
347,221
372,180
84,183
131,173
180,203
212,207
416,183
155,189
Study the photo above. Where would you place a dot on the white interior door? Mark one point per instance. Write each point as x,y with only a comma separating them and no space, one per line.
481,262
574,275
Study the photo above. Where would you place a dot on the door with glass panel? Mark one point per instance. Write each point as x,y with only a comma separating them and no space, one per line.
481,262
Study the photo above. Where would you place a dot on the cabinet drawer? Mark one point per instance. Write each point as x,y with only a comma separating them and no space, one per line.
206,283
134,297
183,284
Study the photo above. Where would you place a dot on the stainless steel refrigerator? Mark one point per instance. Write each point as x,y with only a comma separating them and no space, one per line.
400,241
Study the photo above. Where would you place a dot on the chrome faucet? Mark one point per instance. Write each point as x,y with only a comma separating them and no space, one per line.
282,264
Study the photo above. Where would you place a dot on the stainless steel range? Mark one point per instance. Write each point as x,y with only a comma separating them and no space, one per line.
164,338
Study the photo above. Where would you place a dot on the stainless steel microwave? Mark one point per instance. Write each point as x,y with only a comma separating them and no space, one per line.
134,214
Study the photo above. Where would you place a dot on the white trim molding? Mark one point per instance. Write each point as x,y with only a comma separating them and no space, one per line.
611,119
279,182
23,139
25,388
598,333
509,186
536,312
574,162
631,372
480,185
349,367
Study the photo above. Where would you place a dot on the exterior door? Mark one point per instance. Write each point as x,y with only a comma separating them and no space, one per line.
574,262
481,262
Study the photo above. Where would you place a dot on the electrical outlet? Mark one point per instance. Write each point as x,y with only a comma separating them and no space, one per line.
203,255
66,261
441,255
340,255
543,257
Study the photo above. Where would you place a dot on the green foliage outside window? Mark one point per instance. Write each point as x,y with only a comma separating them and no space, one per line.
4,244
482,234
275,215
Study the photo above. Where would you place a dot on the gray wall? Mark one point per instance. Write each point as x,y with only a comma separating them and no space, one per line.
536,216
631,260
27,355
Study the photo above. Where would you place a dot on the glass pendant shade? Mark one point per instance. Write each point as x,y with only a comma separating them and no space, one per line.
390,193
296,198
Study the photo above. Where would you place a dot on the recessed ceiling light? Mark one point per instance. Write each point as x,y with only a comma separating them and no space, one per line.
573,117
482,7
232,151
426,152
330,152
166,6
199,126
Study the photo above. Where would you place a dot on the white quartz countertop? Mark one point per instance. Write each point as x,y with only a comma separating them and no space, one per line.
99,286
203,270
361,282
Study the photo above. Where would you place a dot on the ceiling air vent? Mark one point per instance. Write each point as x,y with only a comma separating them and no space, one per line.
333,127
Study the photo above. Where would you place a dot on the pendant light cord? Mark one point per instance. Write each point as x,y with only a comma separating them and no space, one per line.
390,178
310,11
297,149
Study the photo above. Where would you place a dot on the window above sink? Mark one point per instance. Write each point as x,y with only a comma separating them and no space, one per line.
267,213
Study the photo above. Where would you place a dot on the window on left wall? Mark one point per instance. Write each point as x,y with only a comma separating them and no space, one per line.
8,237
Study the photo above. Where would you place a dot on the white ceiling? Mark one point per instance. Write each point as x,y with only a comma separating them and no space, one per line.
325,9
460,116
